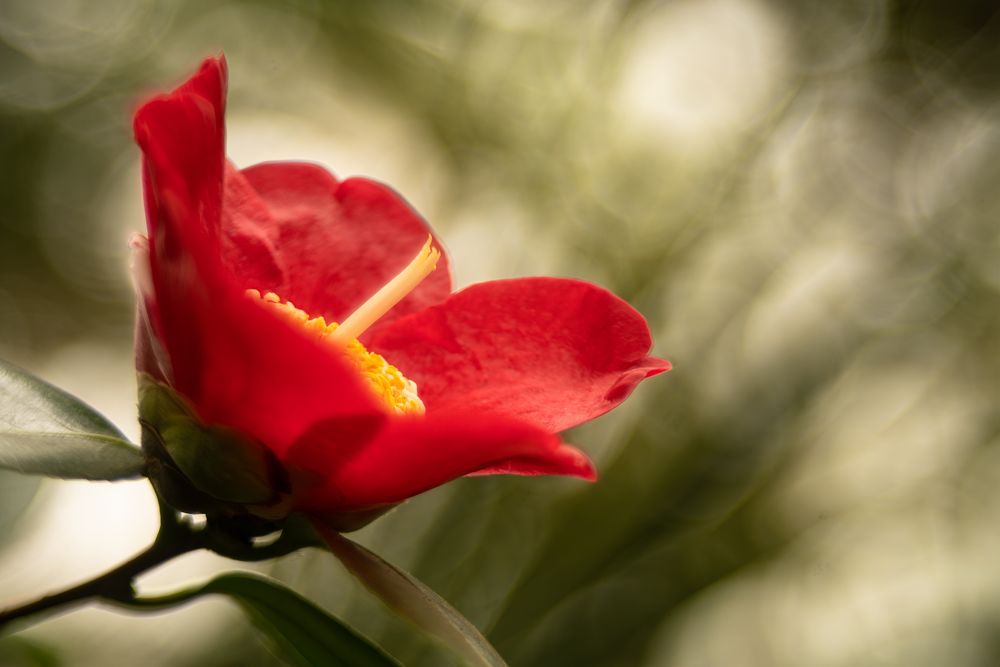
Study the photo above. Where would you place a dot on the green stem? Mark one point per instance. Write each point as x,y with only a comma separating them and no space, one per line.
174,539
226,537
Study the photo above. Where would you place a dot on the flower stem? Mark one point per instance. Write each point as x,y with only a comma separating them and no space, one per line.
174,539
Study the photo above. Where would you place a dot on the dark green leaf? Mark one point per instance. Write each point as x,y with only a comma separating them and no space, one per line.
306,634
27,652
45,431
414,601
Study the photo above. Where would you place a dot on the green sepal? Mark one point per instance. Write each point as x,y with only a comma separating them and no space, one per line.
205,469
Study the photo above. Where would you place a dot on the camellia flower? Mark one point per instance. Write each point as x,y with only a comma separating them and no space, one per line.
300,347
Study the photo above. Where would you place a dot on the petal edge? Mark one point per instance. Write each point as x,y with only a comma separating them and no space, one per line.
554,352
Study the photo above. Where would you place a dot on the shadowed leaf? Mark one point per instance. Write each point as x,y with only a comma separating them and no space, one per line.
305,634
414,601
46,431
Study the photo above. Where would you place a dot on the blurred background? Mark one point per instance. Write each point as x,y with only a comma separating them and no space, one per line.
801,196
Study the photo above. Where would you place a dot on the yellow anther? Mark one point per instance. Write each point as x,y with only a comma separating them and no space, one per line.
395,390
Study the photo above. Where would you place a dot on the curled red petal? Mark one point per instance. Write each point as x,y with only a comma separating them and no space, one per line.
344,238
150,357
182,136
408,456
569,458
237,362
553,352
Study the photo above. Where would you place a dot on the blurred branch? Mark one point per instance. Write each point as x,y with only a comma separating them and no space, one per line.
228,537
174,539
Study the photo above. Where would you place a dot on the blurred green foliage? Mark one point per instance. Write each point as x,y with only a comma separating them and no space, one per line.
800,196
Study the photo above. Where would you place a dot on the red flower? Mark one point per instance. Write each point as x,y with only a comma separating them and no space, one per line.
499,367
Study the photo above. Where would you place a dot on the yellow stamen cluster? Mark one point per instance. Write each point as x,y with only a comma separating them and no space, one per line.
392,387
398,393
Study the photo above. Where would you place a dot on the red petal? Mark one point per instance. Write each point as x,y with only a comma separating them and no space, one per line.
249,236
412,455
182,136
150,357
345,239
550,351
236,361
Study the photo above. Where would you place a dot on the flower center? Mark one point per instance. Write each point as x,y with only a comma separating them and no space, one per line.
395,390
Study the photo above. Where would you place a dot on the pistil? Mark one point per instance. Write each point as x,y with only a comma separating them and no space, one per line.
389,295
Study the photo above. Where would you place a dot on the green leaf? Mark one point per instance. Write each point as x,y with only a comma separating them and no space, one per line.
25,652
45,431
414,601
307,635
